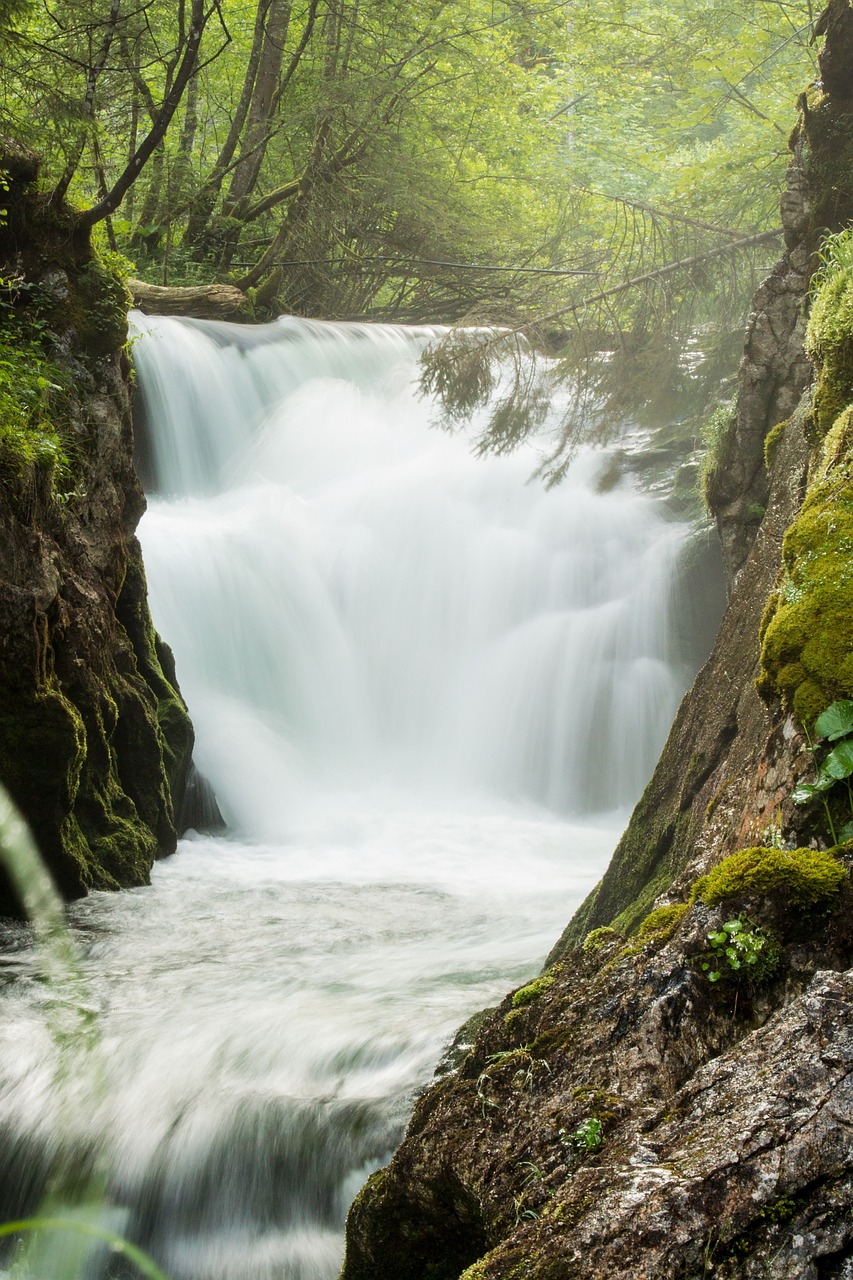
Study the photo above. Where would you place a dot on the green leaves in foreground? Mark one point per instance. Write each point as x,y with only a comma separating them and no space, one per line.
117,1243
835,724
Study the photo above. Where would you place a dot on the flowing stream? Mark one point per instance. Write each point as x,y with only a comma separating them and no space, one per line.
426,692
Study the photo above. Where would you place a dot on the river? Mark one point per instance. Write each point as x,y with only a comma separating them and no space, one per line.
426,692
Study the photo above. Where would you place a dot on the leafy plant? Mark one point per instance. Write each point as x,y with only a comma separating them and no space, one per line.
740,950
29,387
834,255
588,1136
835,724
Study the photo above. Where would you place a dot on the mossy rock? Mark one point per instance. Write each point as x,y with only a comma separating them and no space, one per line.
599,938
807,644
829,341
805,878
661,924
826,127
772,441
533,990
100,303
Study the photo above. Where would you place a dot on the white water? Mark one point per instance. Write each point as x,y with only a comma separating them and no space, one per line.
426,692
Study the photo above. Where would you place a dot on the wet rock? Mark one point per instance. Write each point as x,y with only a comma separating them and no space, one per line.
95,740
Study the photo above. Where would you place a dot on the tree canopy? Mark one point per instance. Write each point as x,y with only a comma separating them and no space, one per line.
494,161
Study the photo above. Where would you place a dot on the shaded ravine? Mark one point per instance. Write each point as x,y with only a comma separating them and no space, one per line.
426,693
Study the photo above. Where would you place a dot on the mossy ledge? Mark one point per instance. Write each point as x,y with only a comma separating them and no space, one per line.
803,878
95,740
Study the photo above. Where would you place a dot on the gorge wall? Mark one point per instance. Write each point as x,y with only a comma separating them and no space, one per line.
95,741
644,1109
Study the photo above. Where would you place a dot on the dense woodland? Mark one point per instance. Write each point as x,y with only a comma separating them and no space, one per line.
336,155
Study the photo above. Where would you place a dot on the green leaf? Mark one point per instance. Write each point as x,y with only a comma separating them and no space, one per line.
808,791
845,832
117,1243
836,721
839,763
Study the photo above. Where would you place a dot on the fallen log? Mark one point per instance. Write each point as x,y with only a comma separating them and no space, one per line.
202,302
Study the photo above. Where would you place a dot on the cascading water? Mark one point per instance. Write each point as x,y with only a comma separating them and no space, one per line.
426,692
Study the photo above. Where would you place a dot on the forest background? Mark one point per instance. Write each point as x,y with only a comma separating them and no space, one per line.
601,177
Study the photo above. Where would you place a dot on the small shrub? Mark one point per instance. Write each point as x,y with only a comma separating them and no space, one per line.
30,386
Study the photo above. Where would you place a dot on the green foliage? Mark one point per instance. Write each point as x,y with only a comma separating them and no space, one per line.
829,336
30,388
741,951
803,878
74,1029
77,1226
772,441
716,430
588,1136
533,990
836,725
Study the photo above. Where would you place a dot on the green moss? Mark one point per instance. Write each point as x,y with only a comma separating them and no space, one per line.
99,304
598,938
804,878
829,341
717,431
533,990
629,920
661,924
807,644
772,441
513,1018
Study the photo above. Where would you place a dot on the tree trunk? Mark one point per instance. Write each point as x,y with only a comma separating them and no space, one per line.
203,302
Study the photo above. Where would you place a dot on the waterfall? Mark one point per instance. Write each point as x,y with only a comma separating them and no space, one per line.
426,691
353,596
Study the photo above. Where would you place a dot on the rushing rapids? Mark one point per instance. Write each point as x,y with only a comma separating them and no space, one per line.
425,691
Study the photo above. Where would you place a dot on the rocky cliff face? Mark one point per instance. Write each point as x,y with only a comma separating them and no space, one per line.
95,741
672,1098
